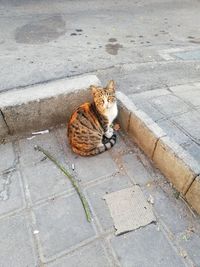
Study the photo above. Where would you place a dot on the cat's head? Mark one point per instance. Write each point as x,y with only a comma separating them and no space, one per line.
104,98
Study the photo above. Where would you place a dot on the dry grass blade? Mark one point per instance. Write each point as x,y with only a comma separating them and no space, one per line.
71,178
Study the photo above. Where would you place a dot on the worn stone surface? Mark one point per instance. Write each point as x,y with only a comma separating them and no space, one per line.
86,172
179,106
123,118
45,105
7,157
173,131
16,243
136,170
149,109
179,167
141,100
92,255
38,47
191,96
60,228
167,204
141,247
3,127
11,194
96,194
188,55
144,132
177,113
188,123
47,46
193,194
178,89
29,156
147,95
190,242
45,180
169,104
193,149
54,230
125,106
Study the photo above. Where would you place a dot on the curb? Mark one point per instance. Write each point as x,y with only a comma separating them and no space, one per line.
45,105
176,164
41,106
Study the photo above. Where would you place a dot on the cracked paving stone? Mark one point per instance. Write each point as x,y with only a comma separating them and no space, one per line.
11,194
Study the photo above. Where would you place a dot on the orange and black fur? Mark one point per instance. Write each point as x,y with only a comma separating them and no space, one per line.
89,129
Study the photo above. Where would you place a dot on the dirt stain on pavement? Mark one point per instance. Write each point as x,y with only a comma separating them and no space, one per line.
195,41
112,40
113,47
42,31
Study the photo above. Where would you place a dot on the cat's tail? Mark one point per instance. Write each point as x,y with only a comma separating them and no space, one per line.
107,143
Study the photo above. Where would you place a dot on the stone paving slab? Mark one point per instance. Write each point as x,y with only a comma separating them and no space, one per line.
189,123
193,98
131,247
28,156
173,131
190,241
7,156
169,104
92,255
43,222
16,244
61,228
136,170
44,180
96,194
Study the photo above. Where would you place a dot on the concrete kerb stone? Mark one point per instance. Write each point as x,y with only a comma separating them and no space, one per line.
125,107
175,163
44,105
142,129
193,194
3,127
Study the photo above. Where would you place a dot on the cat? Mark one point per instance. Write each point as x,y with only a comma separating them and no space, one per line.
89,128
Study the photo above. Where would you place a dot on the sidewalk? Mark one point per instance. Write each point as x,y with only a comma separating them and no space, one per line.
177,111
42,222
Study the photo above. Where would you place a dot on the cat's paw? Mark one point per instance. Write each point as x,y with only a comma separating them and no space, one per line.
108,134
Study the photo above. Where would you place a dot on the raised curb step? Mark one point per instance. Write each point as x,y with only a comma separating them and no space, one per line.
45,105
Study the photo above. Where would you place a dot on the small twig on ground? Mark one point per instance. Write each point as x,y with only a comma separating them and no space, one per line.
71,178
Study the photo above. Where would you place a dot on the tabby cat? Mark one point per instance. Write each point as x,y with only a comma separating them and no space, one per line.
89,129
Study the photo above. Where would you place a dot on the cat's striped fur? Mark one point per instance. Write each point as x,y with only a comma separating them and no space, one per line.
89,129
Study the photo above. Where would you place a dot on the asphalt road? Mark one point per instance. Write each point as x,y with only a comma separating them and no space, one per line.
122,40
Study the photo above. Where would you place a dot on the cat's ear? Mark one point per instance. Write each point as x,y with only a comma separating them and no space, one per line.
111,85
93,89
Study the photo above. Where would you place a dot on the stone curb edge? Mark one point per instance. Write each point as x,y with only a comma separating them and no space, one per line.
176,164
44,105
